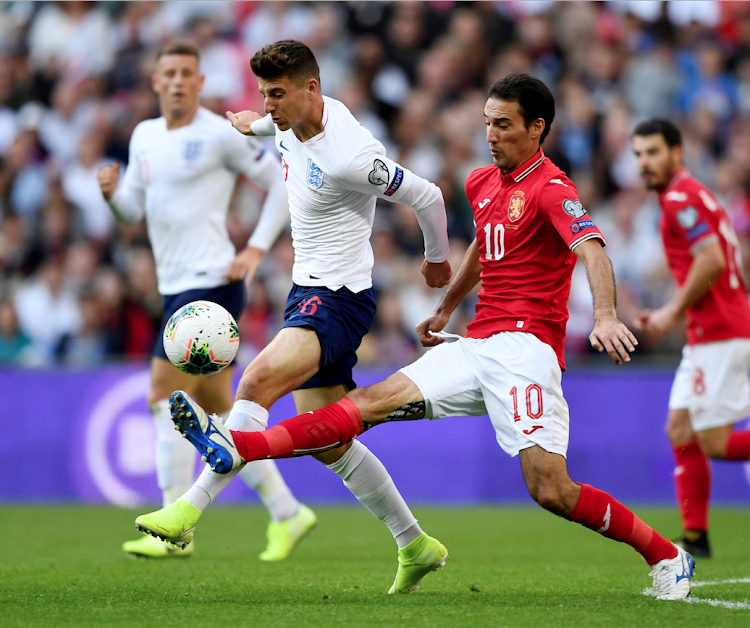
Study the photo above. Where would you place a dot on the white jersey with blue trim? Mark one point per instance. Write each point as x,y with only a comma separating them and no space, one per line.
333,181
182,181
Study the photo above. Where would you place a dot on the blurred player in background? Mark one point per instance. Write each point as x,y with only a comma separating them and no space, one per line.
531,226
711,390
181,176
335,171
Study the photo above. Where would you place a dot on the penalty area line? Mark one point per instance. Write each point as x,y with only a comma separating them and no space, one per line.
650,591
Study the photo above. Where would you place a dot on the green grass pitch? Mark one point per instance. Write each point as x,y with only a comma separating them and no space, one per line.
62,566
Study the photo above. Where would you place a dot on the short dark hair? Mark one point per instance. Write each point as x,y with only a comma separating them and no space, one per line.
289,58
658,126
533,97
178,48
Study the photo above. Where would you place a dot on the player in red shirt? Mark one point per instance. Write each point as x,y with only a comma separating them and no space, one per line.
531,227
711,390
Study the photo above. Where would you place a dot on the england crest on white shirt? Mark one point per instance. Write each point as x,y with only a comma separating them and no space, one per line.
314,175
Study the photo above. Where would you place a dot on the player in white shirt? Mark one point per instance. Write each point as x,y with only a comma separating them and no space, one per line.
182,171
335,171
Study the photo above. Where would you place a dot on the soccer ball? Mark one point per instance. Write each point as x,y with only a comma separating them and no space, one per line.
201,338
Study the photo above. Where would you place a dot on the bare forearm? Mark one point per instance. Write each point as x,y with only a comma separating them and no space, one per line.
466,278
602,283
698,282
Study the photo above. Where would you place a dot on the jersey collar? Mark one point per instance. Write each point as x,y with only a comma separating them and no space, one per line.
676,178
526,168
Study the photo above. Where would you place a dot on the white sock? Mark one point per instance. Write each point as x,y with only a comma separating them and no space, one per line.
175,456
366,477
245,416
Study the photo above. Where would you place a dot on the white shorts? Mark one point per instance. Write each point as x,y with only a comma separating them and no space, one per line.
713,384
512,376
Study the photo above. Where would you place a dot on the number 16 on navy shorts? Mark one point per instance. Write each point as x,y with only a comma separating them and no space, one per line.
340,318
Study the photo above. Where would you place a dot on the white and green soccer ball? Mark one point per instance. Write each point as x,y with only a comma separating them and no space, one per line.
201,338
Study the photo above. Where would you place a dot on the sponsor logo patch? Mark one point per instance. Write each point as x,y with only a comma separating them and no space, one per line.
573,208
516,206
576,227
379,174
398,179
687,217
315,175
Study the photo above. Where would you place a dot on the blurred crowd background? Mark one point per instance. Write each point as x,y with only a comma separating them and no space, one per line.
78,289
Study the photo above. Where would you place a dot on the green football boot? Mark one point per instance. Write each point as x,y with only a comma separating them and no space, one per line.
174,523
285,535
149,547
423,555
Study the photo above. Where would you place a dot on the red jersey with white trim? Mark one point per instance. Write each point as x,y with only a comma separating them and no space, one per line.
528,223
691,218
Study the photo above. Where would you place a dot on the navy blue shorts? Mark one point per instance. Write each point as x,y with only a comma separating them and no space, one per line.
341,319
230,296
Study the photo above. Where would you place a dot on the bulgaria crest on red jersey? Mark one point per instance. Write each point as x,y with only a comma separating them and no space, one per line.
515,208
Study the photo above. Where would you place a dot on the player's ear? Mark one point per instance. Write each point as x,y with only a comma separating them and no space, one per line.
201,80
537,128
155,82
313,87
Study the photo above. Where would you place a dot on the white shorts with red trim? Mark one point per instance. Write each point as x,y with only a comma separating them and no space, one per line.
713,383
512,376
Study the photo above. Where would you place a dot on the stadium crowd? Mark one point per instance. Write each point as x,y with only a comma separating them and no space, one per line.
77,288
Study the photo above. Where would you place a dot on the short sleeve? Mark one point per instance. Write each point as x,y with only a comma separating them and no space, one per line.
559,201
688,217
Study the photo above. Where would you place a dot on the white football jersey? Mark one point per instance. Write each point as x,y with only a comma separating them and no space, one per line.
182,181
333,181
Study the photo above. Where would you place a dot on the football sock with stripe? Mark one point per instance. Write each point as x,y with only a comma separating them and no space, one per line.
692,481
602,513
312,432
738,446
366,477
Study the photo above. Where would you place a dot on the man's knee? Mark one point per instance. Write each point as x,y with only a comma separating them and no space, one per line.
333,455
550,496
678,429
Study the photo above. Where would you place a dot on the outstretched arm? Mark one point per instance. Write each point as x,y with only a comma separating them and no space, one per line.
609,332
466,278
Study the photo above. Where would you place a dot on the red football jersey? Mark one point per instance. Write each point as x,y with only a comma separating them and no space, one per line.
691,217
528,223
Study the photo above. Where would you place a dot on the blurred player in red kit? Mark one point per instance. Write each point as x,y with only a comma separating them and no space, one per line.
531,228
711,390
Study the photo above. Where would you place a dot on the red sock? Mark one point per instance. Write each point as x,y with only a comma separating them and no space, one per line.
601,512
692,481
738,446
308,433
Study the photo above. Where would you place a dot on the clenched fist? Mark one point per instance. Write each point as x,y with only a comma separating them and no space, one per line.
108,177
242,121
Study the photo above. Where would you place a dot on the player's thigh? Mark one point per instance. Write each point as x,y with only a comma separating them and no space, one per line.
720,385
214,392
286,363
521,383
445,379
166,378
